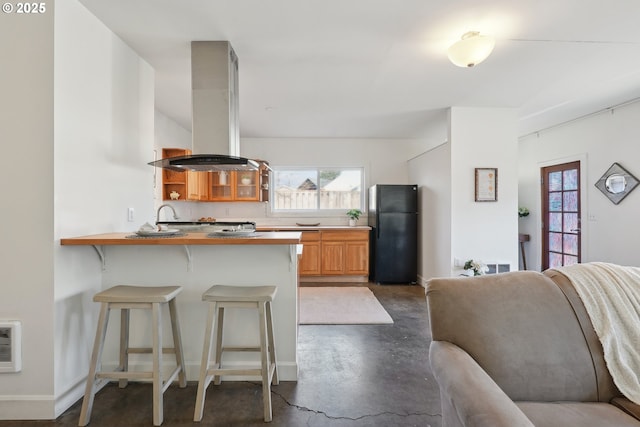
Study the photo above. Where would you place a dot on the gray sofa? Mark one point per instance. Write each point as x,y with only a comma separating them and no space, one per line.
518,349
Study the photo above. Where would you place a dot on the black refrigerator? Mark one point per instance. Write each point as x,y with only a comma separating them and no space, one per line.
393,217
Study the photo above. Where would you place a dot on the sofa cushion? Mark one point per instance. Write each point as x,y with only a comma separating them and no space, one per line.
627,406
606,387
508,323
565,414
469,396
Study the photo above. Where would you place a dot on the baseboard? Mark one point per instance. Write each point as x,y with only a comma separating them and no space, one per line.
27,407
71,396
46,407
422,281
330,279
40,407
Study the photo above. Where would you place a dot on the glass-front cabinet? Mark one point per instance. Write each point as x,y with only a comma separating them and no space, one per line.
247,186
234,186
219,186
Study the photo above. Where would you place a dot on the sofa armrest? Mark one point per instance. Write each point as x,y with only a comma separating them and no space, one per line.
470,398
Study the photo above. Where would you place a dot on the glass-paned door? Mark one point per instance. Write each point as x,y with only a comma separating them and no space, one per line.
560,215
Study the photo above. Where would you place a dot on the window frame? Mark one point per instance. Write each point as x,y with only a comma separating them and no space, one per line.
315,212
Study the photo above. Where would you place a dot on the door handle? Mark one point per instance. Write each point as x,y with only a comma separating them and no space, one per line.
575,230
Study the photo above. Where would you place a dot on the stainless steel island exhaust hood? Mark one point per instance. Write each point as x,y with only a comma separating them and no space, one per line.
215,122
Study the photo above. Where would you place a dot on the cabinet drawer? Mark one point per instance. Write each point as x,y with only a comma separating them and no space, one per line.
310,236
343,236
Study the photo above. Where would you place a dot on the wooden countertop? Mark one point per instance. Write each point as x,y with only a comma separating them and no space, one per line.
274,238
311,227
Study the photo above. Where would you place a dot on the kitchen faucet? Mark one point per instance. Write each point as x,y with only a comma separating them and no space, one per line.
175,215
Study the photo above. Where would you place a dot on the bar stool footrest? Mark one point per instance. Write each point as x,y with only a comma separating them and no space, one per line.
148,350
256,349
122,375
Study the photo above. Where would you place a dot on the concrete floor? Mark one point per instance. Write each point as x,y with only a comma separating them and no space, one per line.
350,376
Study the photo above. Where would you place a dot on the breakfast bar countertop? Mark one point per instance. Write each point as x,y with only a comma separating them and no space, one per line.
196,261
271,238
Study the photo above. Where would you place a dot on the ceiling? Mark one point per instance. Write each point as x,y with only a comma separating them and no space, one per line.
378,68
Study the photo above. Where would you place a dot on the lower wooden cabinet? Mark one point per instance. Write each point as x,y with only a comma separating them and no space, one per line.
310,261
357,258
335,253
333,258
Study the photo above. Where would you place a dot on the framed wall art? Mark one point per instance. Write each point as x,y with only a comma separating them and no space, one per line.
616,183
486,184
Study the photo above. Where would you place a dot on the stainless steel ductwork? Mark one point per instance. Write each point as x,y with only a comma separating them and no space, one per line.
215,123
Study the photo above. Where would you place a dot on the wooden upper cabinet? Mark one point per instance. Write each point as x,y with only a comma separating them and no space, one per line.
174,183
234,186
223,186
197,186
247,186
220,186
253,186
265,175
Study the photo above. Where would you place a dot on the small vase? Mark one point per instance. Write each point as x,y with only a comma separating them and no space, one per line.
352,222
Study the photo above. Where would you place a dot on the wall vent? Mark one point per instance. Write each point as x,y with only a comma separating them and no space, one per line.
10,346
498,268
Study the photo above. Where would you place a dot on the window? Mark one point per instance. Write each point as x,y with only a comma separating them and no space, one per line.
317,190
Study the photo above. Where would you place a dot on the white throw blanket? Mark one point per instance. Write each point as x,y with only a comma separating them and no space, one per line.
611,296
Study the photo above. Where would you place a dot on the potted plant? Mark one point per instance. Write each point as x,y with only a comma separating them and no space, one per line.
475,268
354,215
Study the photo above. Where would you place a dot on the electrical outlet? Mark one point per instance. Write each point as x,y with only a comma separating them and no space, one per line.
130,212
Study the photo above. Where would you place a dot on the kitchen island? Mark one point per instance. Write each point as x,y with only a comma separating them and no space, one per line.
196,261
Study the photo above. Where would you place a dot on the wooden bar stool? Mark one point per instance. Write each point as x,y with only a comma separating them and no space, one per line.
222,297
126,298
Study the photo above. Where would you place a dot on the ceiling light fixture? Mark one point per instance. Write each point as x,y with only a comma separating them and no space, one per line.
471,50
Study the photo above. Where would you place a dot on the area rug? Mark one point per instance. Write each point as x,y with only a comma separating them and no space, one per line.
341,306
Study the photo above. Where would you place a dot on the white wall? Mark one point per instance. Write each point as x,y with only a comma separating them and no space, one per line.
455,228
432,172
79,144
609,232
26,255
168,134
104,127
486,231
